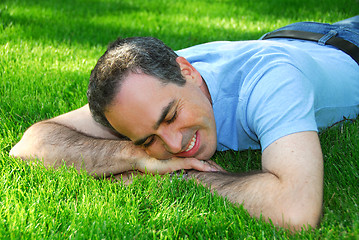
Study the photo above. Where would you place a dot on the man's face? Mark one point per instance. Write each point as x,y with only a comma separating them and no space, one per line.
166,120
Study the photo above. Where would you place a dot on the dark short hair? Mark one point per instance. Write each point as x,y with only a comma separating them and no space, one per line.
137,55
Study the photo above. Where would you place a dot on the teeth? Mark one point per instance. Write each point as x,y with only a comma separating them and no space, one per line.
193,141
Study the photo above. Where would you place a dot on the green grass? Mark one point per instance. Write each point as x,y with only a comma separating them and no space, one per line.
48,49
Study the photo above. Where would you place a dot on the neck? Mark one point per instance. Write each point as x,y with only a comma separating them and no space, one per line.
204,89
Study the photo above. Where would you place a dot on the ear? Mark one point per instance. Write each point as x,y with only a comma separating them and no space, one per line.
189,72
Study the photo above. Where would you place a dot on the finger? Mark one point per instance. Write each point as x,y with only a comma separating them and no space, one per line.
200,165
166,166
215,165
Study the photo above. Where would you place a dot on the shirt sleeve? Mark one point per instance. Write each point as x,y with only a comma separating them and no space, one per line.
281,103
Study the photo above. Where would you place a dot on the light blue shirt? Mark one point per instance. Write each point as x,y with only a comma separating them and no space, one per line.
263,90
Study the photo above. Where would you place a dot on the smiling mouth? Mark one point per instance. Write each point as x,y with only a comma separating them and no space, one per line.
192,147
192,143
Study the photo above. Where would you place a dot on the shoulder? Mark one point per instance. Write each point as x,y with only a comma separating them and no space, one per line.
281,103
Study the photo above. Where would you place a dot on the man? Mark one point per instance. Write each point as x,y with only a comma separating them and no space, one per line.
178,109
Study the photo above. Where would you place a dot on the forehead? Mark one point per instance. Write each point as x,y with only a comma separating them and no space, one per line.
138,104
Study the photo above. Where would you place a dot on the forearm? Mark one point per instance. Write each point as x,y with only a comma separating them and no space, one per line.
264,194
54,144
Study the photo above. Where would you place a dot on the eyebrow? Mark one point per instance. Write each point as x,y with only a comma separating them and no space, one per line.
164,112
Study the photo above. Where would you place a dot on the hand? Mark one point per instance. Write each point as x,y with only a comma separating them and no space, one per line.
127,177
152,165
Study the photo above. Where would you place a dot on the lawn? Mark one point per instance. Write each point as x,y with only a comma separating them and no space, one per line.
48,48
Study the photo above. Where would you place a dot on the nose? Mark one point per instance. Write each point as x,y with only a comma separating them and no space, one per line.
172,140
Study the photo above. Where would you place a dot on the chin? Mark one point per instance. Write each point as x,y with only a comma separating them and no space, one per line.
206,155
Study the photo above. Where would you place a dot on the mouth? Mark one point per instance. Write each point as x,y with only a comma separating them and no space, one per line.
192,143
192,147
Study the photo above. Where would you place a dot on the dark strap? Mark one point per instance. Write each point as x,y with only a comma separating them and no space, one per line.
344,45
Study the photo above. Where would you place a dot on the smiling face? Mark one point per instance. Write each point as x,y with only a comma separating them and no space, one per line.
167,120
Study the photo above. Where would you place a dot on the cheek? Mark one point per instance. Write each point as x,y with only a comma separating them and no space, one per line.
194,116
187,117
157,150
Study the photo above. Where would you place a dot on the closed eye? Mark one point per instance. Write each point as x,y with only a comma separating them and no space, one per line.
173,118
149,141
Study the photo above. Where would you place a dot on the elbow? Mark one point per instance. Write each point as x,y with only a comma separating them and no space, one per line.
304,208
20,150
298,222
14,152
303,218
29,145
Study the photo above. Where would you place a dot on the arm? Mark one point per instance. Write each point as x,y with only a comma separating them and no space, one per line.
288,190
80,141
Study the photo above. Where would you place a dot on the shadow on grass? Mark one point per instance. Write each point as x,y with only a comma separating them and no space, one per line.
95,23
